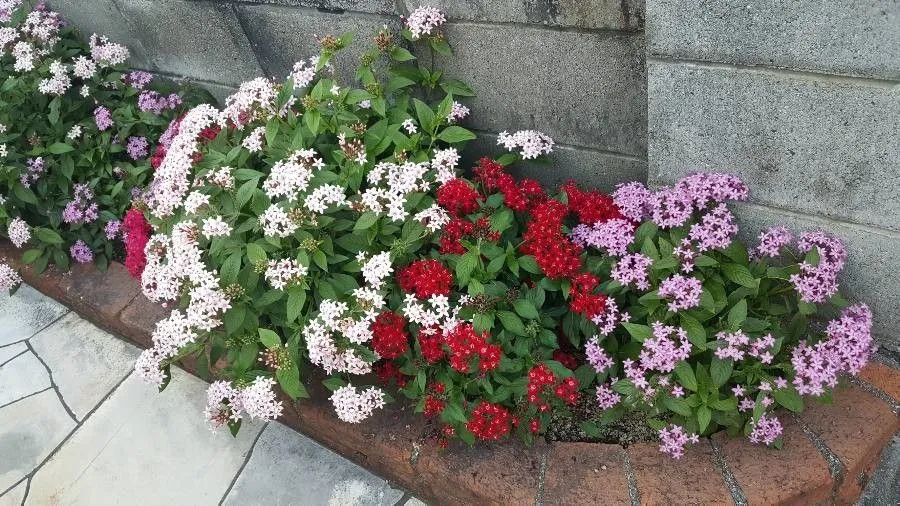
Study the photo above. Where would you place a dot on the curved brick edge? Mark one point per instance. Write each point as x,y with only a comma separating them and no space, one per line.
830,450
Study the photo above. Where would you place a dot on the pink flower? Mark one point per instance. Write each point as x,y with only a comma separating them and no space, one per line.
606,397
815,283
684,292
612,235
716,229
673,439
633,200
772,240
633,269
597,356
766,430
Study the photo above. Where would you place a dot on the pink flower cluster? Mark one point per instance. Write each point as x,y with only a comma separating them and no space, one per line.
737,345
423,21
606,397
766,430
103,118
34,172
684,292
716,229
82,208
137,147
771,241
151,101
597,356
634,268
847,349
673,439
815,283
610,318
633,200
9,278
613,235
225,403
81,252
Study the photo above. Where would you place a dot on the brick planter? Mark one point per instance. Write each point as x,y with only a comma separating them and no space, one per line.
829,451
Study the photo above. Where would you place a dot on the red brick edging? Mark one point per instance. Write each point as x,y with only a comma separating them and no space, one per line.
829,451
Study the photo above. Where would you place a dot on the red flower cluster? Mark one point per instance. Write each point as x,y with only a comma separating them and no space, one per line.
556,255
458,198
565,359
488,172
541,377
460,228
590,206
489,422
584,301
465,343
433,406
425,278
387,372
389,337
137,234
431,341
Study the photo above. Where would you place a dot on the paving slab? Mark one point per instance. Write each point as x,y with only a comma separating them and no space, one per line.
287,468
73,346
21,376
14,496
144,444
31,429
9,351
25,313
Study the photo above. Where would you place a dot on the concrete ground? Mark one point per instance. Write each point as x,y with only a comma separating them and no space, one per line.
77,427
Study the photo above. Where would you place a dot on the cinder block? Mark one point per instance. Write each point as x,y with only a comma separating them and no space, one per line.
820,146
202,40
580,88
103,17
371,6
283,35
858,37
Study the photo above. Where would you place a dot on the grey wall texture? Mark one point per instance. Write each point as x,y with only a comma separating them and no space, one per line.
574,69
799,97
802,99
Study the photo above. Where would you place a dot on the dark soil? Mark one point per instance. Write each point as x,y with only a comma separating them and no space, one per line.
631,428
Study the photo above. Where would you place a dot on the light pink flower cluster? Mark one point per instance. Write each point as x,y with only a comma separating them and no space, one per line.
706,188
815,283
766,430
81,252
19,232
9,278
684,292
458,112
612,235
530,143
319,334
597,356
673,439
737,345
155,103
423,21
633,200
290,177
847,349
254,100
634,268
716,229
772,240
107,53
303,73
606,397
610,318
225,403
671,207
82,208
353,405
661,352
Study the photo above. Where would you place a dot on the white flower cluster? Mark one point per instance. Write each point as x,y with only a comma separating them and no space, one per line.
19,232
424,21
9,278
42,26
74,132
353,405
276,222
59,82
3,153
171,180
7,36
281,273
434,218
254,100
253,142
107,53
531,143
25,56
391,184
437,312
319,199
458,112
225,403
223,178
83,67
215,226
334,317
376,268
410,126
444,164
288,178
195,201
303,73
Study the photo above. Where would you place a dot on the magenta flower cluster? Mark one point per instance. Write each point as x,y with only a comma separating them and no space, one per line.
82,208
612,235
156,103
716,229
737,346
766,430
772,240
683,292
34,171
103,118
673,439
137,147
815,283
81,252
633,269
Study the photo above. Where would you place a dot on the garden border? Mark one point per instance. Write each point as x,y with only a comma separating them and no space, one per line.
830,450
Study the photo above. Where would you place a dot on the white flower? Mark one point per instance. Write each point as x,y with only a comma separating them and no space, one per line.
253,142
410,126
434,218
281,273
424,20
259,400
19,232
376,268
457,112
302,74
276,222
3,151
195,201
84,67
288,178
320,198
365,104
74,132
9,278
254,100
335,90
531,143
107,53
216,227
444,163
353,406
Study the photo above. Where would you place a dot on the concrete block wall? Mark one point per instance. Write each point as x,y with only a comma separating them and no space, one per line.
574,69
802,99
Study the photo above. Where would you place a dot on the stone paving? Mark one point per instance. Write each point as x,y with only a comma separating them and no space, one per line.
78,428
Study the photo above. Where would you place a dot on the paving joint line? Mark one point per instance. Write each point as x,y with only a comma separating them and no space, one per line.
53,383
876,392
10,359
542,475
13,343
243,464
14,485
403,498
25,397
633,492
737,493
47,326
836,466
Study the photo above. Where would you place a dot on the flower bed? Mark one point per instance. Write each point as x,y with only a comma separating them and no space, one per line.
312,228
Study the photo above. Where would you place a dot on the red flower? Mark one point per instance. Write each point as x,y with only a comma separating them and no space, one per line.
565,359
590,206
540,377
457,197
425,278
489,422
433,406
387,372
389,337
137,234
583,300
465,344
210,133
431,344
488,173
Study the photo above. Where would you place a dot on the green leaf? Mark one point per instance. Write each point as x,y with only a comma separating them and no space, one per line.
720,371
638,332
230,268
289,379
695,331
366,221
453,134
686,375
312,118
529,264
334,383
789,398
31,255
483,321
677,405
48,236
425,115
526,309
58,148
269,338
464,267
400,54
511,322
295,301
737,314
24,194
739,274
255,253
704,415
234,427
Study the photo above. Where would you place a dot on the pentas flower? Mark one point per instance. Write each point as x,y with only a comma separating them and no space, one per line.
81,252
112,229
707,188
489,422
254,140
74,133
542,380
103,118
772,240
275,222
488,172
138,79
444,164
591,207
530,143
716,229
457,112
661,352
424,21
389,337
259,399
425,278
584,300
633,269
375,268
464,344
847,349
410,126
597,356
82,208
19,232
156,103
290,177
223,405
815,283
673,439
613,235
34,171
461,228
353,405
606,397
215,226
686,255
107,53
136,231
433,218
282,273
458,198
388,374
302,74
59,82
684,292
254,100
7,8
137,147
671,207
431,342
610,318
319,200
766,430
633,200
556,255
